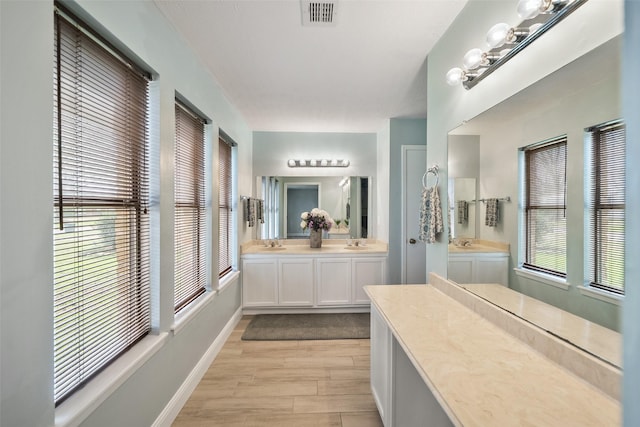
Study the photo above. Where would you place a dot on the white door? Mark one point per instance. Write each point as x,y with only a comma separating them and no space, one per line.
414,252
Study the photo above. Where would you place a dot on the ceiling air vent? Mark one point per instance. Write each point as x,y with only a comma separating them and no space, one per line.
316,13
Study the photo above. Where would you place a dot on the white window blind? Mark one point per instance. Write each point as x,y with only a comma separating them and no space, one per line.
190,224
607,186
224,211
545,207
100,188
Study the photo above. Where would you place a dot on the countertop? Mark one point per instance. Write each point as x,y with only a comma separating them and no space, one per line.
329,247
479,246
593,338
480,374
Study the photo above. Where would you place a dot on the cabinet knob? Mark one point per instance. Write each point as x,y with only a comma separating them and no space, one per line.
412,241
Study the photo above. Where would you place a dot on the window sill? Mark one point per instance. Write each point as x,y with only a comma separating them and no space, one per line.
601,295
228,279
546,279
183,318
189,312
73,411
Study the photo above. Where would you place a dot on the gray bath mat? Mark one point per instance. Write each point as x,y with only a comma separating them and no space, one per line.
315,326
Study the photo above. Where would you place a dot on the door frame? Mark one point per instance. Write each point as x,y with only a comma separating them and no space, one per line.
318,186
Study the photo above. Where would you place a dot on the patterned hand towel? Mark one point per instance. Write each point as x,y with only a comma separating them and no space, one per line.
463,211
491,217
430,215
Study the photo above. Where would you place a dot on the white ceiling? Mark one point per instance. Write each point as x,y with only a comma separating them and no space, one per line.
283,76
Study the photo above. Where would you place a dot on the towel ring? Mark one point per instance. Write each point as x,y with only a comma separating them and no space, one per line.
434,171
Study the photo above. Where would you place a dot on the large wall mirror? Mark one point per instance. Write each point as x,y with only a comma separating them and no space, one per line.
584,93
346,198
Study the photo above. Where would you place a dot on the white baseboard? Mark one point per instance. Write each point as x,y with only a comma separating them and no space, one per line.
171,411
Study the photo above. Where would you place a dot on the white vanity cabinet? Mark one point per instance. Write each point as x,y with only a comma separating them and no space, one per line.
298,282
260,282
381,362
480,267
333,279
341,280
295,281
366,271
274,282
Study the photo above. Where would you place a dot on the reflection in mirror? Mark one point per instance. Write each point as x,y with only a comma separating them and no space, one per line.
463,170
299,197
345,198
567,101
462,208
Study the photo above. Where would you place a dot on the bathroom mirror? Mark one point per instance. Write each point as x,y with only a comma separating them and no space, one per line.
584,93
346,198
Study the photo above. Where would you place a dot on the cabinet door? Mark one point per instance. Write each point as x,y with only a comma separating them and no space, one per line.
366,271
259,282
492,270
333,279
460,269
381,365
296,281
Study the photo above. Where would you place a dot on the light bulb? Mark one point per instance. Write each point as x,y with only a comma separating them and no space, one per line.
346,163
529,9
292,163
334,162
313,162
323,162
302,162
455,76
498,35
473,59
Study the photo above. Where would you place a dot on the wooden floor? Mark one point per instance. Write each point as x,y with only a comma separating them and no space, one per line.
284,383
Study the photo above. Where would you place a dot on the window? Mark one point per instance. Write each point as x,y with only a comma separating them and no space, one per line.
101,223
607,205
545,226
225,204
190,225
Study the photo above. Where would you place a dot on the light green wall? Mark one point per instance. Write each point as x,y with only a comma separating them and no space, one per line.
403,132
631,307
449,107
598,22
26,325
273,149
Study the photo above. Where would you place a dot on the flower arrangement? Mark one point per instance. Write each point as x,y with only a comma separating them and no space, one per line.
317,219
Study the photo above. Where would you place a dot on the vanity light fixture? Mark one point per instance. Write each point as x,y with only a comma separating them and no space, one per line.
323,163
505,41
